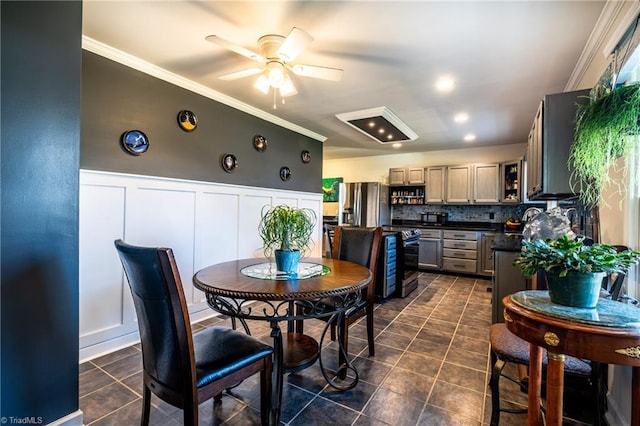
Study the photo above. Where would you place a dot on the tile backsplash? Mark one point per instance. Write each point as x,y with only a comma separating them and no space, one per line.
464,213
581,219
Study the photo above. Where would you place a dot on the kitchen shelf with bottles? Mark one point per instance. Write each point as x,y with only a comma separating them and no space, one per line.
511,188
406,195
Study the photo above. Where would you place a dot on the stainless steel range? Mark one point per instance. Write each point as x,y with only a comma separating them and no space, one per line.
408,264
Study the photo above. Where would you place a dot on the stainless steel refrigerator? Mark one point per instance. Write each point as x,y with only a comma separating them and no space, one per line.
366,204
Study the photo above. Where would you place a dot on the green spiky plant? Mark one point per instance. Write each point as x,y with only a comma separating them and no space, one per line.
286,228
605,129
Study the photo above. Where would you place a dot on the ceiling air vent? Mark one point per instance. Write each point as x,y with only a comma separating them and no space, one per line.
380,124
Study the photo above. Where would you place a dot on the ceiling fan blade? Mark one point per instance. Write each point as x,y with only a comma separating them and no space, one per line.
236,48
295,42
324,73
240,74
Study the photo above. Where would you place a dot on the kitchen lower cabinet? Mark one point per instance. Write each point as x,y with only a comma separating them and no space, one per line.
460,251
507,279
486,254
430,251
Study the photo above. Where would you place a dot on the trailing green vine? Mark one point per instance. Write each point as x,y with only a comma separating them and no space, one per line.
605,129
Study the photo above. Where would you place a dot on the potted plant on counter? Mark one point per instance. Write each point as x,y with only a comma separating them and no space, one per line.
286,233
606,129
574,269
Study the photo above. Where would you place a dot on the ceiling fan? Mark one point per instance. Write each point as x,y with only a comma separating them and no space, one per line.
276,56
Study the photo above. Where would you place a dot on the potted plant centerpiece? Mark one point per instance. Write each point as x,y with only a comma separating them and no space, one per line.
574,269
286,232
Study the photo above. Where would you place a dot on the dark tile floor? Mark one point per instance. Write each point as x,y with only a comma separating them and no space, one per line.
430,368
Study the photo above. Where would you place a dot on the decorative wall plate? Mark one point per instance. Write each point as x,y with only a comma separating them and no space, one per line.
135,142
259,143
187,120
229,162
285,173
305,156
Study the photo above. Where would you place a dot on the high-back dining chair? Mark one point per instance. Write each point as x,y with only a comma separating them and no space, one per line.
361,246
179,367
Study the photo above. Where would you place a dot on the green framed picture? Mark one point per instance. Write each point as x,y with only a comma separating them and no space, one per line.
331,189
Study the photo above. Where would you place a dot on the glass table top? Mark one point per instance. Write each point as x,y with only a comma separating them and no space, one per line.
268,271
607,313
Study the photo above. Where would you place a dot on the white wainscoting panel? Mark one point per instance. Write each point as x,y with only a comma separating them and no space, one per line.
204,223
106,309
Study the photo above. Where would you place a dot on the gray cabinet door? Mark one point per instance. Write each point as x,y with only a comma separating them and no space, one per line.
507,279
430,253
486,254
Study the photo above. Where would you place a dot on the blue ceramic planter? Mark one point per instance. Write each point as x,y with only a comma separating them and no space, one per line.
576,289
287,261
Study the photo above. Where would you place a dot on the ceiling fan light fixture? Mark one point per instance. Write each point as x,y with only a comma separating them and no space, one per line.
262,84
287,88
380,124
276,74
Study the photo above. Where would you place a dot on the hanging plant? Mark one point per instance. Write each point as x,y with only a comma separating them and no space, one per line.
605,129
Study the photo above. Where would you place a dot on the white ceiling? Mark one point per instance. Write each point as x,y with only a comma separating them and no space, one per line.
504,56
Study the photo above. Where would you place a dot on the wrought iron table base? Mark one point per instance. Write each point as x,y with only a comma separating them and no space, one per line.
242,311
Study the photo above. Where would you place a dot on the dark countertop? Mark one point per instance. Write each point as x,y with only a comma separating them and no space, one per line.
463,226
507,242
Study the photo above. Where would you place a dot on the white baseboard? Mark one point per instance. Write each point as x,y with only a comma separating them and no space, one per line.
104,348
72,419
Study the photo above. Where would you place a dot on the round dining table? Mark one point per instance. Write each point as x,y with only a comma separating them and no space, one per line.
233,288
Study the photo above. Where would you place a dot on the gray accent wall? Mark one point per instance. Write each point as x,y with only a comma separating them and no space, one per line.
41,72
116,98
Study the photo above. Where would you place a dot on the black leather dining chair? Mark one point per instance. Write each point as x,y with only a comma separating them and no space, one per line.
180,367
361,246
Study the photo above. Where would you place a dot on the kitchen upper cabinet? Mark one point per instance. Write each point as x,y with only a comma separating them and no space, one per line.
435,177
510,182
548,146
458,184
409,176
486,178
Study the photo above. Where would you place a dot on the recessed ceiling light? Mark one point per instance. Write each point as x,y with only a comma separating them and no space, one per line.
469,137
396,145
445,84
380,124
461,117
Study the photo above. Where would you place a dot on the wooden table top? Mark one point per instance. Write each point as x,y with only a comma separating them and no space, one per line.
591,335
226,279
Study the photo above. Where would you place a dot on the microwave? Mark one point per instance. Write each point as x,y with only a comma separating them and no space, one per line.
434,218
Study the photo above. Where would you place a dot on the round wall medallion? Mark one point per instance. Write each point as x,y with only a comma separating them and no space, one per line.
229,162
259,143
187,120
305,156
285,173
134,142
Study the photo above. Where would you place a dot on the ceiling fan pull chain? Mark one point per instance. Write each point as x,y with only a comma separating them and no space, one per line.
274,98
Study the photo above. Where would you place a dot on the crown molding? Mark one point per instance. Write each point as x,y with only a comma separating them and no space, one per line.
610,12
136,63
